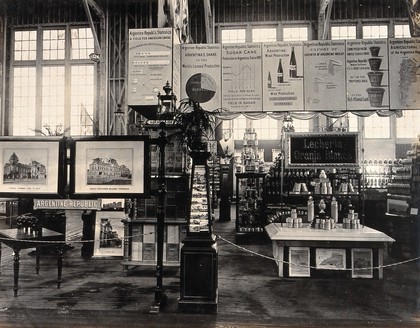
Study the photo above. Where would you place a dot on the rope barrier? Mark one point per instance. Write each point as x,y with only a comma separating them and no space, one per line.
313,267
219,237
71,241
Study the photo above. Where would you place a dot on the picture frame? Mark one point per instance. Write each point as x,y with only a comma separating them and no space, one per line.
112,204
361,263
109,234
33,166
301,257
110,167
330,258
327,149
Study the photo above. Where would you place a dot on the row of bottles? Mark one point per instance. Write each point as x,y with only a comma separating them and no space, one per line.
312,182
280,73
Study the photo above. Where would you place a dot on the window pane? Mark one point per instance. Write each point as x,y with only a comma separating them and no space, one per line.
53,96
53,44
266,128
377,127
25,45
239,125
82,100
301,125
264,34
343,32
233,36
24,83
295,34
375,31
352,123
408,125
81,43
402,31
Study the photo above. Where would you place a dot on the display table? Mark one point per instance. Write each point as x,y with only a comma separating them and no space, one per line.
310,252
19,239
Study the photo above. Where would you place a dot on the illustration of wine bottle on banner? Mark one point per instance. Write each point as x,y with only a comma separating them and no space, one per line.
283,67
292,64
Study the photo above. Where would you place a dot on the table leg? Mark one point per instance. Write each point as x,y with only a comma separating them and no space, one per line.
59,265
38,255
16,270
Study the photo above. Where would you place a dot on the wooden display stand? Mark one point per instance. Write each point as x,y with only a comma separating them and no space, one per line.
226,191
337,250
199,257
141,248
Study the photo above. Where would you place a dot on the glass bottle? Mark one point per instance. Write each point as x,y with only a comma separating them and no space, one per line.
292,64
280,72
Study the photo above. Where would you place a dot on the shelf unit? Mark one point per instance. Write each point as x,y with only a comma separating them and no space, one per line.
344,184
140,230
250,207
402,220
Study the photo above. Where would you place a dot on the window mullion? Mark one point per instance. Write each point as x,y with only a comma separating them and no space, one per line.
67,80
38,97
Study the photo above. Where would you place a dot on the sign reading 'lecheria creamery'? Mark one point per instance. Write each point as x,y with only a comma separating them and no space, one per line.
314,149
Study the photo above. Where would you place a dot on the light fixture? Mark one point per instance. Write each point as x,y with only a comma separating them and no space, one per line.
166,102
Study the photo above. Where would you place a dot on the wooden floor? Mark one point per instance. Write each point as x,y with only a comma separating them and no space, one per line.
97,293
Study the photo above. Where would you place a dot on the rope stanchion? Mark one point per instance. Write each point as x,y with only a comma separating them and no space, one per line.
309,266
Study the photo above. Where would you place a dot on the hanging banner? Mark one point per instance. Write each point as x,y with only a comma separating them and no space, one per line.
404,73
150,64
201,74
176,71
283,68
241,77
325,75
367,74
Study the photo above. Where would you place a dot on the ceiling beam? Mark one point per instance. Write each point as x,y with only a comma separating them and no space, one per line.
209,21
98,10
92,25
324,18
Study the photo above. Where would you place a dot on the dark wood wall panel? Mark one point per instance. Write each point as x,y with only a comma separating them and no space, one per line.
234,11
368,9
33,12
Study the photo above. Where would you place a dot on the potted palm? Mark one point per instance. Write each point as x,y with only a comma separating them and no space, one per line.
196,125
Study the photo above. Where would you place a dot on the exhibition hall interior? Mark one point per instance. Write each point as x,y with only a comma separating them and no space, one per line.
209,163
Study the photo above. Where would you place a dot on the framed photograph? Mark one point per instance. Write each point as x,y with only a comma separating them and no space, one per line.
299,262
111,167
32,166
112,204
336,149
109,234
361,263
330,258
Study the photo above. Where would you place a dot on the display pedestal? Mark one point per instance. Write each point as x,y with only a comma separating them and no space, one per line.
199,286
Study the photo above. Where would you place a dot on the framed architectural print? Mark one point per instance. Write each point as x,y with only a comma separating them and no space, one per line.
110,167
32,166
361,263
299,262
109,234
330,258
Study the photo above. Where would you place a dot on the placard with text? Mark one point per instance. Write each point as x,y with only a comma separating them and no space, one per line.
325,75
201,74
367,74
404,73
283,74
241,77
